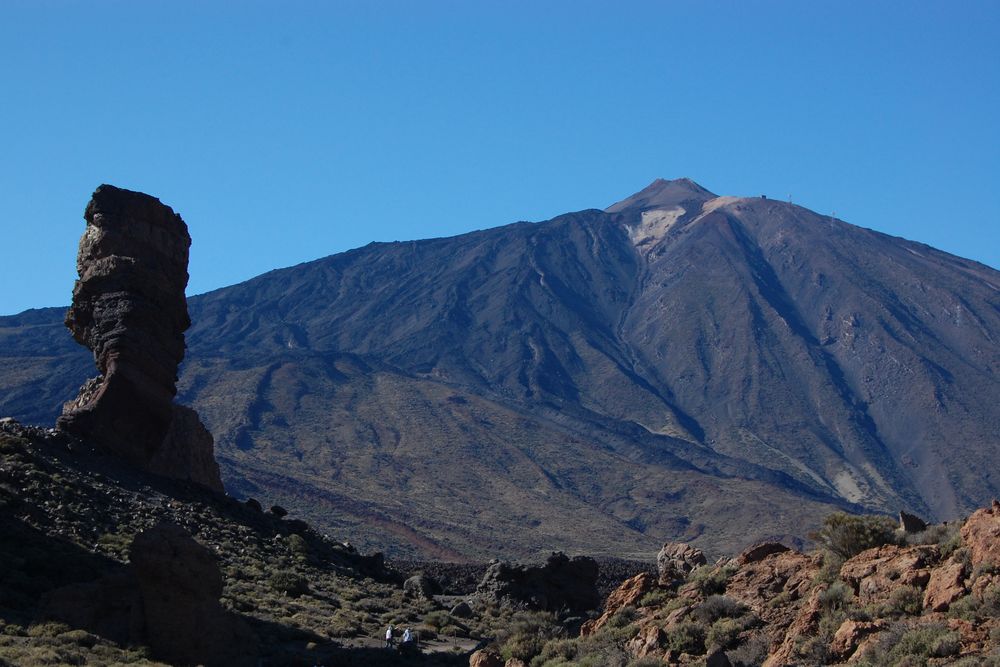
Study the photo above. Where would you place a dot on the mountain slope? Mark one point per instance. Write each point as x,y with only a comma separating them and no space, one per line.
599,382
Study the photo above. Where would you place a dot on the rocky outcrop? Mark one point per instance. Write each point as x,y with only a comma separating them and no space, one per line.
561,583
911,523
677,559
421,586
167,599
946,584
876,573
628,594
851,634
129,309
180,584
759,552
485,658
981,534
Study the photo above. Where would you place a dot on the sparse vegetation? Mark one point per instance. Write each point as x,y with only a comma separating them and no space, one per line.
847,535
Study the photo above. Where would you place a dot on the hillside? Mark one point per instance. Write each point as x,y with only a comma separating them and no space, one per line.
678,366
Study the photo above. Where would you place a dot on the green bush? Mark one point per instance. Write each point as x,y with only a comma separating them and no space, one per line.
686,637
716,607
710,580
289,583
847,535
724,633
905,600
837,596
656,598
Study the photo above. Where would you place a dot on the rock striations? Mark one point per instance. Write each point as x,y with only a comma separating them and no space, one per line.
129,309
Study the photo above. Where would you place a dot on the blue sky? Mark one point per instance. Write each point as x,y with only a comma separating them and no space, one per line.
284,132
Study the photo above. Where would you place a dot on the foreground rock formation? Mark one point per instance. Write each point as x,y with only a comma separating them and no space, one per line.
561,583
932,598
130,310
168,600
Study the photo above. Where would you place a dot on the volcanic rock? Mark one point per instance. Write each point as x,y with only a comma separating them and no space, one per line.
129,309
485,658
911,523
850,634
180,584
676,559
981,534
875,573
110,607
947,584
421,586
562,582
628,594
758,552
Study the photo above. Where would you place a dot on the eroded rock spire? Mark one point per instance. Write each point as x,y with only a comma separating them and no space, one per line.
129,308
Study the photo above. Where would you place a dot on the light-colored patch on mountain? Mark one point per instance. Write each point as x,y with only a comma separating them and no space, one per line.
654,226
847,486
718,202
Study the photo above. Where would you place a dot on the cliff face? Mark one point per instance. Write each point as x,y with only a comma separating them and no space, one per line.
130,310
679,366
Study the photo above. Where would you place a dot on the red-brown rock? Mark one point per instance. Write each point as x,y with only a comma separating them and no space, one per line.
628,594
875,573
485,658
851,634
180,584
649,641
947,584
129,308
759,551
981,534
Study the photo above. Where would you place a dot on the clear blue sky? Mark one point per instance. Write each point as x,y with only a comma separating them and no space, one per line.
284,132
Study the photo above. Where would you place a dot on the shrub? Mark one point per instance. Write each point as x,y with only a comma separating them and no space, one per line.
905,600
437,619
837,596
724,633
522,645
655,598
752,653
716,607
847,535
686,637
289,583
711,580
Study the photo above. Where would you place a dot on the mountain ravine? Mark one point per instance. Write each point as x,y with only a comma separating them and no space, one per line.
679,366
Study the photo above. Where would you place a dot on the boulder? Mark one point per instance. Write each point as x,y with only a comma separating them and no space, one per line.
485,658
911,523
515,662
760,551
188,451
421,586
788,574
677,559
981,534
851,634
875,573
561,583
109,606
947,584
628,594
651,640
129,309
180,584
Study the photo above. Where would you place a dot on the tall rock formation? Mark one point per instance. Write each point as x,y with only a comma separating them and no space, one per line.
129,309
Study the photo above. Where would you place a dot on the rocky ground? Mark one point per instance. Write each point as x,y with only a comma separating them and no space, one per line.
925,598
70,565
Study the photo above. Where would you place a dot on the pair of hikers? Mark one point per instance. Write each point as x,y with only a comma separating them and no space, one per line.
390,637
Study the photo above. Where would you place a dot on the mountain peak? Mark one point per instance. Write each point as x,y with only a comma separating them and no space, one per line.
662,193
